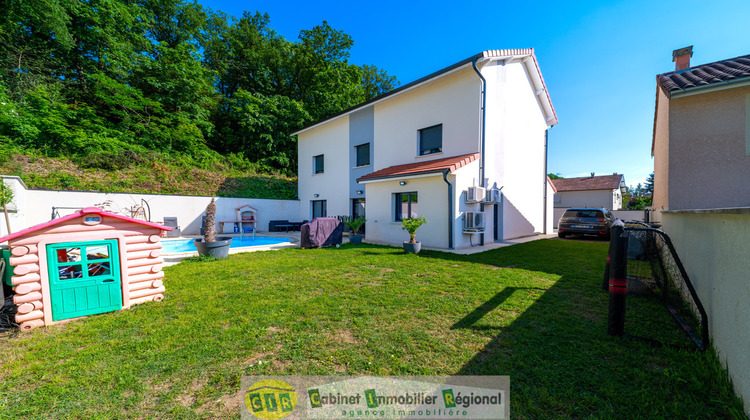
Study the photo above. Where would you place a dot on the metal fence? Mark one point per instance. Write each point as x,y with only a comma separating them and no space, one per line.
643,263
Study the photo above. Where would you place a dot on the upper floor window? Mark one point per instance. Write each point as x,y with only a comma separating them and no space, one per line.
363,154
431,140
318,164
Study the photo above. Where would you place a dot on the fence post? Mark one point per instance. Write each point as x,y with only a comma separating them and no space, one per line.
617,279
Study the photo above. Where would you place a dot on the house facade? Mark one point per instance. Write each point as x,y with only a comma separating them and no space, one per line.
419,149
701,151
589,191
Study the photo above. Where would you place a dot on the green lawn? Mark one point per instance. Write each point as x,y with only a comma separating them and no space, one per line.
533,311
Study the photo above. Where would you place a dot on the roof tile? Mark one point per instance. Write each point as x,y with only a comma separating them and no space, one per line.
451,164
705,74
588,183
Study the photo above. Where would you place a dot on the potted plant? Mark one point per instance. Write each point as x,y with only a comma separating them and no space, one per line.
355,225
411,225
210,245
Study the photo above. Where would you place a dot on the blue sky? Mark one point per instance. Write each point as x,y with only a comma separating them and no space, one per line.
599,58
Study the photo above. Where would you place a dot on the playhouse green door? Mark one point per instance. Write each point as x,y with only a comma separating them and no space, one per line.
84,278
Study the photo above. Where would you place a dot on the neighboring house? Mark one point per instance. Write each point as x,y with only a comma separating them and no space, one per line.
590,191
701,150
417,150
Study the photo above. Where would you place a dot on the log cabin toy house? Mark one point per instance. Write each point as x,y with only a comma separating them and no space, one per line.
86,263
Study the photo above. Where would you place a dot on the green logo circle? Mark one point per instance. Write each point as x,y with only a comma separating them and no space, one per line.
270,399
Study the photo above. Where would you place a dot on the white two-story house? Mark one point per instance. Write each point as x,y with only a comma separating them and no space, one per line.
465,147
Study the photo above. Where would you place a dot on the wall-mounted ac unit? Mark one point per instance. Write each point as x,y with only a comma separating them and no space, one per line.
475,195
493,196
473,222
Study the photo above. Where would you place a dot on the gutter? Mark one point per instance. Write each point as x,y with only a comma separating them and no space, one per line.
450,208
482,137
695,90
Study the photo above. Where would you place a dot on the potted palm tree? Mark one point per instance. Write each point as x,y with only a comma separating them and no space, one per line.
355,225
411,225
210,244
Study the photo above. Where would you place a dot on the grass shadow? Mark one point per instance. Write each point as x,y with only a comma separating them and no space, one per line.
556,351
472,318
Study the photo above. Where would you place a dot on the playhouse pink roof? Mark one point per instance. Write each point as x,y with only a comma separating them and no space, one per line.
87,210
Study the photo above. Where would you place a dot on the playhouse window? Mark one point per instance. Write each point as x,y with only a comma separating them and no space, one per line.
71,272
99,269
97,253
68,255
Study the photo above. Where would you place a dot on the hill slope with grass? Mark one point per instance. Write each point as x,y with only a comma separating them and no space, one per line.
160,175
165,96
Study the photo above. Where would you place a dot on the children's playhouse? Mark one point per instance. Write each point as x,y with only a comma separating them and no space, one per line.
82,264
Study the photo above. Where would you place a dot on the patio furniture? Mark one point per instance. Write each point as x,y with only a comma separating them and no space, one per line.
278,225
172,222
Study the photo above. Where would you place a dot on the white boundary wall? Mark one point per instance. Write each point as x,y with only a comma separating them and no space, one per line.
713,246
35,207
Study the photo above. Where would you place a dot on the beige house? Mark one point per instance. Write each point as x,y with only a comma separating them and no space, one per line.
590,191
701,150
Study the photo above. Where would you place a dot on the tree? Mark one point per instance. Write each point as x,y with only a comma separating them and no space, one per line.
376,81
555,176
649,187
98,80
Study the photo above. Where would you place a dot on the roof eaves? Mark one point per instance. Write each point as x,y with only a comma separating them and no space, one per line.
724,84
553,118
392,92
403,175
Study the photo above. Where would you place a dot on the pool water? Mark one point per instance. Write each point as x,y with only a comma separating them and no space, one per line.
175,246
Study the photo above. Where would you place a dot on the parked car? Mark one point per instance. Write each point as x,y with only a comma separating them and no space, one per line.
585,221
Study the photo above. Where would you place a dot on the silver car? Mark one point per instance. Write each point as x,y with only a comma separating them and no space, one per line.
585,221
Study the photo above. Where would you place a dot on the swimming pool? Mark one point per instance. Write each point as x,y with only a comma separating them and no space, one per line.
176,246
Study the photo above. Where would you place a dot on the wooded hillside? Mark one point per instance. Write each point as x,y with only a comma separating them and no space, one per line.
116,84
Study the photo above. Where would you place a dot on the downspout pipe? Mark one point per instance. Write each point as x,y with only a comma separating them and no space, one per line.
544,212
450,209
482,127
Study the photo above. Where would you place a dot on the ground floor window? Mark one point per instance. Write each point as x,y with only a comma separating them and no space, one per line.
318,208
406,205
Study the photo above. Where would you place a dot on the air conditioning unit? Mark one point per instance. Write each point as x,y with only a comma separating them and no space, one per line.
474,222
475,194
493,196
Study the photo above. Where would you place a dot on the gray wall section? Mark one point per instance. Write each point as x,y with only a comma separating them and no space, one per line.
361,130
